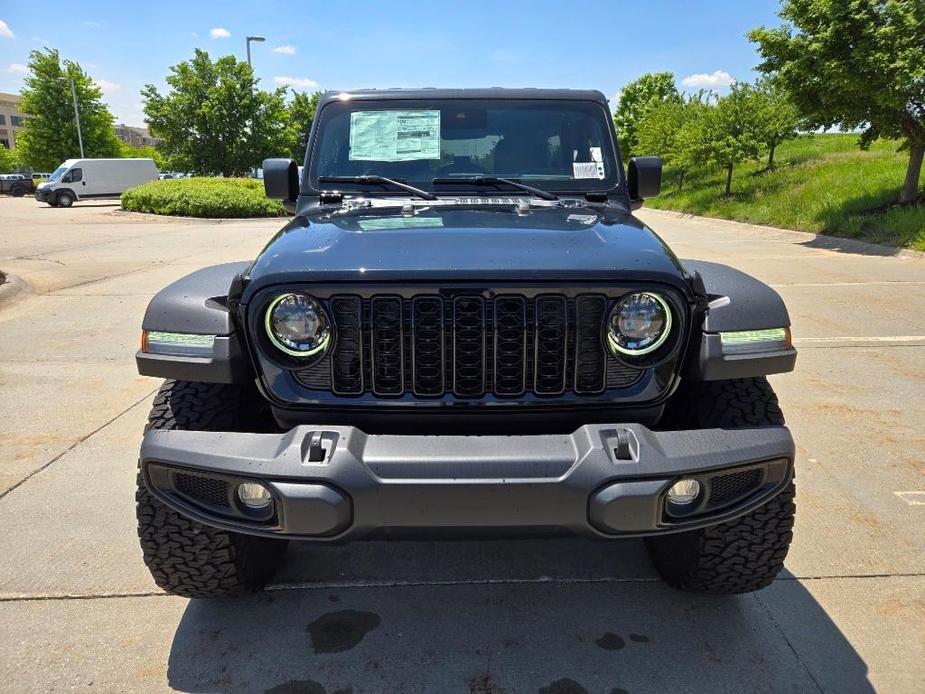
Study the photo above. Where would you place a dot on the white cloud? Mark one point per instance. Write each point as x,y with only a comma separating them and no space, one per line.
219,33
5,31
91,24
300,82
17,69
717,79
285,49
108,86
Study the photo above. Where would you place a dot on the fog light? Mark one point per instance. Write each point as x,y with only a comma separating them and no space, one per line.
684,491
254,495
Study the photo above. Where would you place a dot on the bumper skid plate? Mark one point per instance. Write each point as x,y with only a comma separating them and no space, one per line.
337,482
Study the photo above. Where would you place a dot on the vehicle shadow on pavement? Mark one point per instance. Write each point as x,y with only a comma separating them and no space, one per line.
550,616
851,246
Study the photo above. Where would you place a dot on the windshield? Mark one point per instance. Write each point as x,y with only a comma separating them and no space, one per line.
58,173
560,146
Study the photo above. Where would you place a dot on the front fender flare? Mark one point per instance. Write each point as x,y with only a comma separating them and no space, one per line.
737,302
197,304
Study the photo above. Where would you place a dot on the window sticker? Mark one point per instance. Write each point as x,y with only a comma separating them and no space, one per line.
590,169
394,135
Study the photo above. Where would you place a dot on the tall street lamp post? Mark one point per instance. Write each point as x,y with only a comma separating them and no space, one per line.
80,139
258,39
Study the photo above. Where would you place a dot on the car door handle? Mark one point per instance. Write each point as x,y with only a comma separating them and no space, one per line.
83,183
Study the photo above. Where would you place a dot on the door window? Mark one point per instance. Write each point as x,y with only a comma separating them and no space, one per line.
74,175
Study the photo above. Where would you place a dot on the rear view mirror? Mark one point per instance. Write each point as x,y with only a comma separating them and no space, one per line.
281,179
644,177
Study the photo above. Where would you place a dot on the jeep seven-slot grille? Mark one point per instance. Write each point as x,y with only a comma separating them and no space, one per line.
468,346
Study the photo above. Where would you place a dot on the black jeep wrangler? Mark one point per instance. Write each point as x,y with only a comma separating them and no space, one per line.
464,331
16,185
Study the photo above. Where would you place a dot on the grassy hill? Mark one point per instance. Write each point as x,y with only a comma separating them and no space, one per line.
821,183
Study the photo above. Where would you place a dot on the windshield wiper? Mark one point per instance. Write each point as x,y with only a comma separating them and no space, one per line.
362,180
494,180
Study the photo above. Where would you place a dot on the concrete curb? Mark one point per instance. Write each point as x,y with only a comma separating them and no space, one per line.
180,219
825,241
11,288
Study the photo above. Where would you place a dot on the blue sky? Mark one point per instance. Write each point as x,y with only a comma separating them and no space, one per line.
343,45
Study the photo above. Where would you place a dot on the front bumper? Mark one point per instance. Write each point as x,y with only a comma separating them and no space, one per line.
41,195
338,483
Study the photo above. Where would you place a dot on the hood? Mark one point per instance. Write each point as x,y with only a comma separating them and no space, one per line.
465,244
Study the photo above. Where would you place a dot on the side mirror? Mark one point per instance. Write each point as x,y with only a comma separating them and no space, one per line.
281,179
644,177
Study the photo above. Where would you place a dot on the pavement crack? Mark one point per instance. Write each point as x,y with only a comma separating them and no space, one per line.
84,596
786,639
344,585
75,444
38,257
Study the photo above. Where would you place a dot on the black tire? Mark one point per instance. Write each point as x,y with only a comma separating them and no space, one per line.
744,554
185,557
64,199
18,191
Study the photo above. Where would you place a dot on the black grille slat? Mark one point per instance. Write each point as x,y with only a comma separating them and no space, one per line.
387,345
469,346
590,374
551,330
510,328
427,343
347,359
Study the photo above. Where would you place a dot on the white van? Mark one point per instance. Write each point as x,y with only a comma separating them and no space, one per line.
80,179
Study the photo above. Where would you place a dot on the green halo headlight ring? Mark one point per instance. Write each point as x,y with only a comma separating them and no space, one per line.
316,346
618,349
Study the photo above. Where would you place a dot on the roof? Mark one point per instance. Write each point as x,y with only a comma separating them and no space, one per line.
484,93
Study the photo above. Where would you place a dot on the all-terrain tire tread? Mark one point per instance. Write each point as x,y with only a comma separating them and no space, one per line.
746,553
185,557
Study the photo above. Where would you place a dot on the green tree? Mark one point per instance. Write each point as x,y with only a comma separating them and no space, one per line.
668,130
635,99
729,132
301,114
857,64
779,119
127,151
215,120
8,160
49,134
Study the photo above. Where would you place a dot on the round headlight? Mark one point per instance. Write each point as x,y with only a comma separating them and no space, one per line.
639,324
298,325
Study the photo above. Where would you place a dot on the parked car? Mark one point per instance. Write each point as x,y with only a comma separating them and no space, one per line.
464,331
16,185
83,179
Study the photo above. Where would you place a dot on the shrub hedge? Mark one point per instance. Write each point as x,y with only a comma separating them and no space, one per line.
202,197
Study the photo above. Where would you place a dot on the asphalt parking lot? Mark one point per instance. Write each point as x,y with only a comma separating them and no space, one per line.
78,610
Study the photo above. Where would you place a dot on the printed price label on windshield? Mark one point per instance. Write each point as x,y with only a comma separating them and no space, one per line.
394,135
